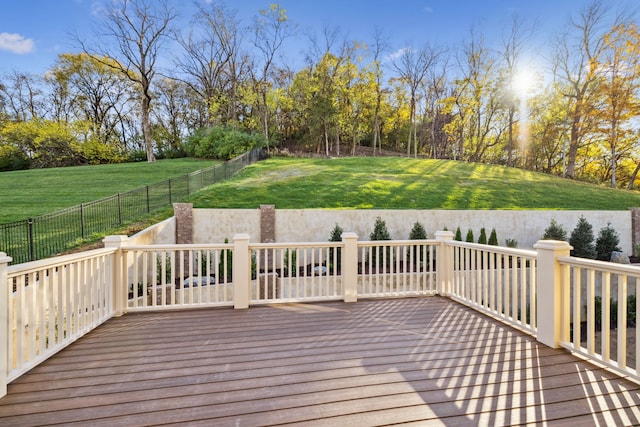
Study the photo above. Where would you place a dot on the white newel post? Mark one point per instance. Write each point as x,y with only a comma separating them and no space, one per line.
444,259
241,271
4,318
120,287
350,267
549,289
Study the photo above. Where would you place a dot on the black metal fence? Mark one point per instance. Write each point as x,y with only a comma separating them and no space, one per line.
45,235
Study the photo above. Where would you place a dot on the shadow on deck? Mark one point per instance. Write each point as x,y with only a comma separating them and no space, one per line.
428,361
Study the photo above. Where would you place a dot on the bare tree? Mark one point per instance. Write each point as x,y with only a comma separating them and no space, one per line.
23,97
132,35
513,43
271,28
210,61
413,66
380,46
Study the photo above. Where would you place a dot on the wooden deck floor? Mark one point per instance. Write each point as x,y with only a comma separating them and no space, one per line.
422,361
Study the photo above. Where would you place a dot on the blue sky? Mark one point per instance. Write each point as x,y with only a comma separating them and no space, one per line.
34,32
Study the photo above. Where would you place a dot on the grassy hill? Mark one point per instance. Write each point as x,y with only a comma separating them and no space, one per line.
401,183
37,191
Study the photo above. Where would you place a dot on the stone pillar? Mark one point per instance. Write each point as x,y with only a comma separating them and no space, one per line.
635,230
267,223
184,222
183,213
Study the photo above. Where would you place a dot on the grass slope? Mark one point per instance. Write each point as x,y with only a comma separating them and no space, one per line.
37,191
401,183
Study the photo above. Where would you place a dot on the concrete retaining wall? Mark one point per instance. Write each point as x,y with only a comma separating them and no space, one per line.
315,225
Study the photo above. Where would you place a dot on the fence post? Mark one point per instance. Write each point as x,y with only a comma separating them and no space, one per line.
5,322
241,271
350,267
32,245
444,263
549,283
119,272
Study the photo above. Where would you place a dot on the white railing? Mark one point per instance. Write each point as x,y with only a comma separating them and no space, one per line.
295,272
51,303
177,276
599,308
396,268
498,281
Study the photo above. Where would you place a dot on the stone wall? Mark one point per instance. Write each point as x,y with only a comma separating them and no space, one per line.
315,225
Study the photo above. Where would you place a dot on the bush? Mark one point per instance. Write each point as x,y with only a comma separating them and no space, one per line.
458,236
607,242
483,237
222,143
12,159
417,232
414,252
555,231
469,236
335,236
582,240
380,232
493,238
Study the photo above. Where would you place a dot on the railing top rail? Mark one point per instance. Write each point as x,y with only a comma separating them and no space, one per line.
600,265
495,249
32,266
177,247
397,242
275,245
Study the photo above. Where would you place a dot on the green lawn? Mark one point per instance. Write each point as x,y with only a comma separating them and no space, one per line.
34,192
401,183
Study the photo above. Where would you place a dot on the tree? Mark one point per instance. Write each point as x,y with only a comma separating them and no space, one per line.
212,64
577,76
606,243
482,239
620,68
582,240
555,231
132,37
412,67
271,28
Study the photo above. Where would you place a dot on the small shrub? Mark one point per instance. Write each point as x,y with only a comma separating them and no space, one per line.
382,253
555,231
469,238
380,231
417,233
582,240
335,236
607,242
511,243
483,237
458,236
493,238
228,255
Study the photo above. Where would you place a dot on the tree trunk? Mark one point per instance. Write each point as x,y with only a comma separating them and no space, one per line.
146,128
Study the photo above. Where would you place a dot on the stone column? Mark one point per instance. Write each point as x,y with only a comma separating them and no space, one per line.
267,223
183,212
635,230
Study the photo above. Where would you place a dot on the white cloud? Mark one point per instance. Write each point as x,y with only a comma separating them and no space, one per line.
397,54
15,43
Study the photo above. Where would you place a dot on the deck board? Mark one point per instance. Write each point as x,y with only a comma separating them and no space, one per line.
375,362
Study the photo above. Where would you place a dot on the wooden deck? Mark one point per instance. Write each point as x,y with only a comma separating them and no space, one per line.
421,361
